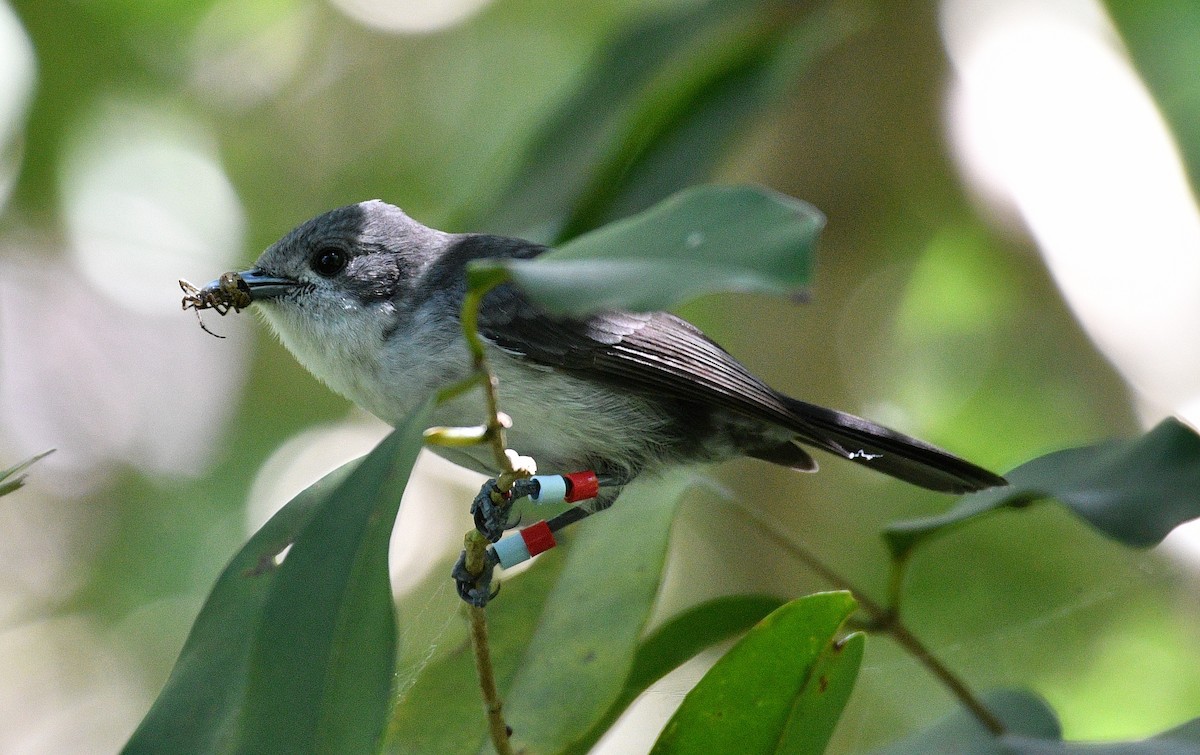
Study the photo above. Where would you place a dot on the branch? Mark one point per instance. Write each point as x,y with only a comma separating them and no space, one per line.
881,620
475,544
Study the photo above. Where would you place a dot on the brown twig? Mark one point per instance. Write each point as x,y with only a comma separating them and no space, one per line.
882,620
493,706
475,544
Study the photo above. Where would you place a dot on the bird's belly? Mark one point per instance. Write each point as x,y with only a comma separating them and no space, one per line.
565,423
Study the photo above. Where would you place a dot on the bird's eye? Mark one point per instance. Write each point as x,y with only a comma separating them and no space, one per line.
329,261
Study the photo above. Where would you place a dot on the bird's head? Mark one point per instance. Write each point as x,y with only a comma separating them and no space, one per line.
340,285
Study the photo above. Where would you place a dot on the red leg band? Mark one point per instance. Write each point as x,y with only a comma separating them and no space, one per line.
581,486
538,538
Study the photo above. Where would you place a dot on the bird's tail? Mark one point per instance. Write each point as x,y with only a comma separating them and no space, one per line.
883,450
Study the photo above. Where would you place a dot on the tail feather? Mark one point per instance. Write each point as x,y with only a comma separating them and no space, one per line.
886,450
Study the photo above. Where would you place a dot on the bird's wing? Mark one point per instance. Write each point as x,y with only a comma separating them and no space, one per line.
644,352
661,354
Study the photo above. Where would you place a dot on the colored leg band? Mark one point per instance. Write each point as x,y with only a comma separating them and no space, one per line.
551,489
579,486
524,545
582,486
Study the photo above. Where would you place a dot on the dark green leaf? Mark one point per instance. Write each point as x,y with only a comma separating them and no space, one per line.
780,689
197,710
13,478
658,112
1023,714
323,656
1163,37
1134,491
577,662
678,640
711,238
1182,740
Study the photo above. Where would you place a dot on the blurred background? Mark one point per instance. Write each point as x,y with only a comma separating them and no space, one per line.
1011,266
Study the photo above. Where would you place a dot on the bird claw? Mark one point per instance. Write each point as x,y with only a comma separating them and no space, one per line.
475,589
491,507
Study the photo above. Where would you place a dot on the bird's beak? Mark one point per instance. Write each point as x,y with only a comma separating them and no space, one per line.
259,284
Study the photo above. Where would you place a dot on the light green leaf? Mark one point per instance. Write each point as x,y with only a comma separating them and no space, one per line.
441,711
577,662
681,638
563,636
780,689
198,708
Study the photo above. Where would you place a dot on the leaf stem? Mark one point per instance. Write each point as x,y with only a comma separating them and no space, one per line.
882,620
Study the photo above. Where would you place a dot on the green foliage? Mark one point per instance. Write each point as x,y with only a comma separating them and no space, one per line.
1024,714
707,239
1163,38
297,656
573,661
1033,729
1135,491
300,657
660,107
780,689
676,641
13,478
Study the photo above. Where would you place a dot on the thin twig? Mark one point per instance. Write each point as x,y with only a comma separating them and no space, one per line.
487,681
475,544
899,632
885,620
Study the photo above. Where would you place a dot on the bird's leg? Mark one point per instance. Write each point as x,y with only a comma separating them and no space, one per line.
529,541
476,589
492,506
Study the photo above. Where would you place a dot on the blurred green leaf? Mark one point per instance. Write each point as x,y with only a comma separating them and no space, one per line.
323,657
441,711
780,689
1182,740
658,111
312,638
564,636
13,478
1134,491
710,238
577,662
675,642
198,708
1023,713
1033,729
1163,38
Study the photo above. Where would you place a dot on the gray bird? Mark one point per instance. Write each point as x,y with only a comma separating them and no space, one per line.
368,300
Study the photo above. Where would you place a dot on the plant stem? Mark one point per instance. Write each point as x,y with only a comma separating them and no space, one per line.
897,630
882,620
475,543
487,682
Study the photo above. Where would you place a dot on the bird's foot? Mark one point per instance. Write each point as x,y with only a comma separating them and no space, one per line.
476,589
491,508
